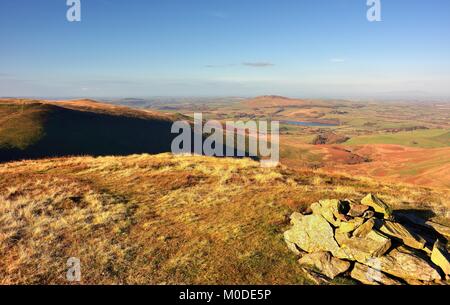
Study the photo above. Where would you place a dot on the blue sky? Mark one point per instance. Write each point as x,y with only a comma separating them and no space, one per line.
300,48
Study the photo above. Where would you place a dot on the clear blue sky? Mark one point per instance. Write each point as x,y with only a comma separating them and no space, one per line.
302,48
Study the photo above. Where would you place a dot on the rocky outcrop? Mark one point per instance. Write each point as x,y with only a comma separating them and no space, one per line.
378,205
350,226
406,266
365,228
408,218
364,241
312,233
332,210
316,277
324,263
399,231
370,276
357,210
361,249
440,257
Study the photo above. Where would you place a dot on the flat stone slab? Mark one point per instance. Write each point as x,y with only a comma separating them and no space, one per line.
405,266
370,276
324,263
312,233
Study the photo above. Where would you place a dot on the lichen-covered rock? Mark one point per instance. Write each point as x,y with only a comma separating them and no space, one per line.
339,231
316,277
293,247
357,210
378,205
312,233
332,210
370,276
368,214
364,229
361,249
399,231
350,226
440,257
409,218
324,263
441,229
405,266
296,217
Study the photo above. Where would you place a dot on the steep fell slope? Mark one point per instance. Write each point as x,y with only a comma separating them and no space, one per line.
36,129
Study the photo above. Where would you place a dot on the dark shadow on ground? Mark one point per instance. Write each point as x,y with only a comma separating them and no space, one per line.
68,132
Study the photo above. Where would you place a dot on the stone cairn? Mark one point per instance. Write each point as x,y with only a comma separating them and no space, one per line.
365,241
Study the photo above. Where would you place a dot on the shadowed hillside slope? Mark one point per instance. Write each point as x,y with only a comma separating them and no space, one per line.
35,130
165,219
38,129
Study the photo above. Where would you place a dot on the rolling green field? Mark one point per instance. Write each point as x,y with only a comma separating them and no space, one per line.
430,138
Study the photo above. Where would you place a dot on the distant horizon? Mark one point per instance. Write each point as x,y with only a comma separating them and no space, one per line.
316,49
212,97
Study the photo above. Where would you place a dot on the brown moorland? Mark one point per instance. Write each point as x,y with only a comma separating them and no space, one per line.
395,141
166,219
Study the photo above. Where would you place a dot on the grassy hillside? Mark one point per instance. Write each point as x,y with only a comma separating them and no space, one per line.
34,130
164,219
39,129
20,125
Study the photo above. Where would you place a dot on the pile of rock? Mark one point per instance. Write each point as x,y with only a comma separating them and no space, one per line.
364,240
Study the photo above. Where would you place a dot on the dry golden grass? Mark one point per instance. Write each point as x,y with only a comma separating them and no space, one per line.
163,219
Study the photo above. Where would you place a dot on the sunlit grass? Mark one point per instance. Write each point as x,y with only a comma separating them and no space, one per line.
163,218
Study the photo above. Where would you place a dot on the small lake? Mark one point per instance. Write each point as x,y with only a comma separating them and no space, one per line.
308,124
